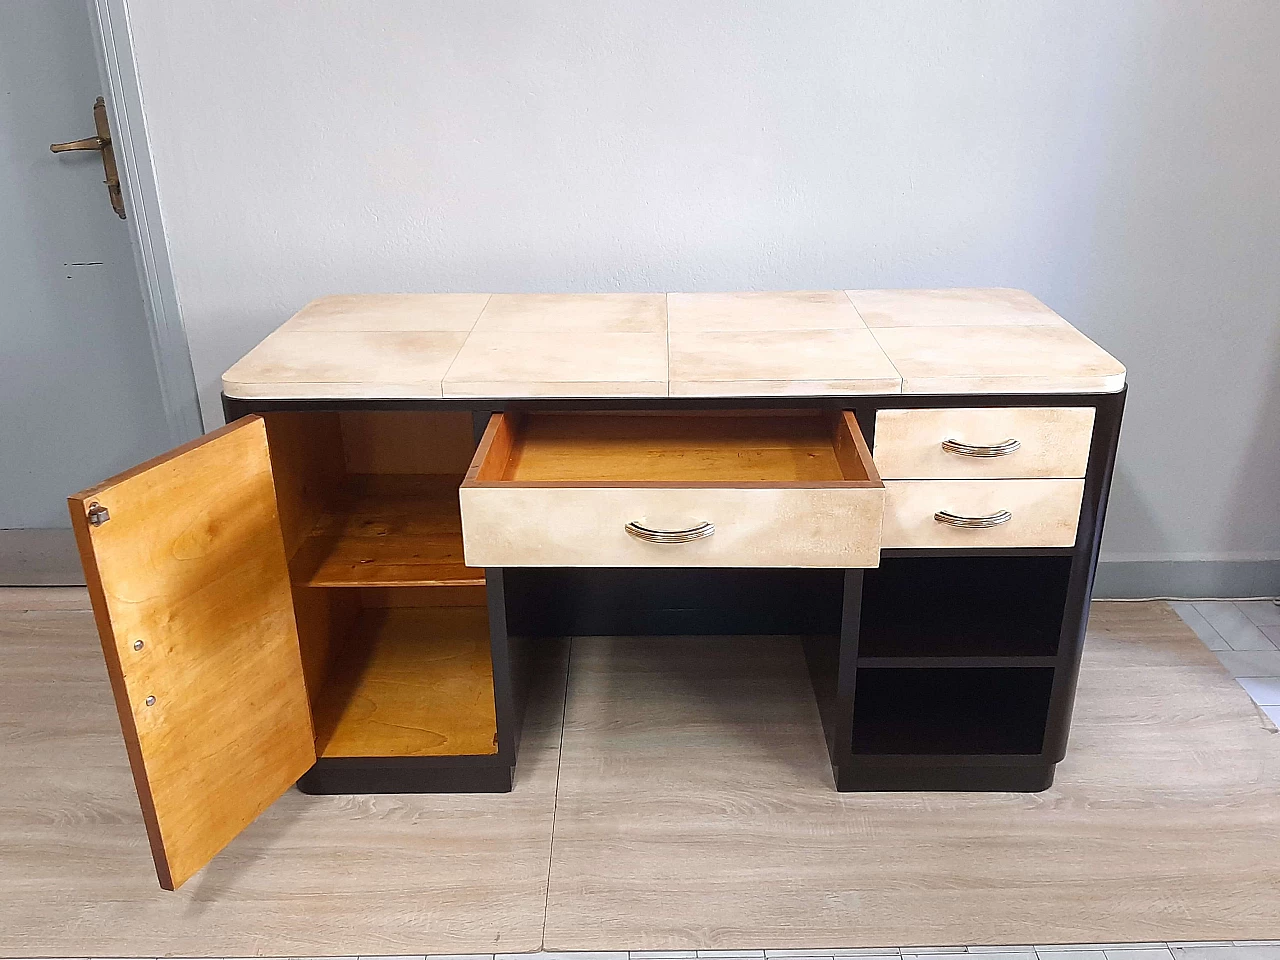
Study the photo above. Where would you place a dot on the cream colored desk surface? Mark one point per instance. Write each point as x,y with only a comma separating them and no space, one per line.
796,343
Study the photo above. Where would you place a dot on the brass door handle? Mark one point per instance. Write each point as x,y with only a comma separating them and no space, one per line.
89,143
101,143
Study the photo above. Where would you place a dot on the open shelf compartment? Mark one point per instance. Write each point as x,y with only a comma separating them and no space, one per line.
392,626
371,499
409,682
387,531
965,711
963,607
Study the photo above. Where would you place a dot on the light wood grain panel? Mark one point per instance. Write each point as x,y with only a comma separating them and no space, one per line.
191,564
1045,512
411,682
696,810
584,526
1055,442
1011,358
313,876
795,489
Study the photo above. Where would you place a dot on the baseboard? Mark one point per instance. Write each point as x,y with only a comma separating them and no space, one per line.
1127,579
39,558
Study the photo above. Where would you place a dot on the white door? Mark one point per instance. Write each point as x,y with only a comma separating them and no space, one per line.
79,394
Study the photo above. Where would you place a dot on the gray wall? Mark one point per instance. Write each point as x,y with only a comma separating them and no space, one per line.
79,398
1118,158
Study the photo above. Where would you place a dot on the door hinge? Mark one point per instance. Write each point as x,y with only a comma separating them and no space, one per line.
98,514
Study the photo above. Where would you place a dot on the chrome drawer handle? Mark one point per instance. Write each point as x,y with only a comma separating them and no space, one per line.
697,532
973,523
982,450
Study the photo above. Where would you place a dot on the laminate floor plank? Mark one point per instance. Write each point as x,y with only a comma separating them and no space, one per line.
696,810
314,876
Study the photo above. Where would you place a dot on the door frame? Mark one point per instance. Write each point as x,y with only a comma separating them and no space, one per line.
113,40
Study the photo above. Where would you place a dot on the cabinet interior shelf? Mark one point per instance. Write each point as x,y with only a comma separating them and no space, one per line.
387,531
410,682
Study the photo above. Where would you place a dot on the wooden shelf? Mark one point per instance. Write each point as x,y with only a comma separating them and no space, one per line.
387,531
411,682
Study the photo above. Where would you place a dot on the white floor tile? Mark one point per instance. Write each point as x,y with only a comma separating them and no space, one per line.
1144,953
1272,632
1174,944
1239,631
1199,625
1264,690
864,952
1241,951
1073,954
663,954
1254,663
1055,948
1273,712
1260,611
867,953
730,954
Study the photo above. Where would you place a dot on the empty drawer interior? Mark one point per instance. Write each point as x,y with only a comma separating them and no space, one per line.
740,447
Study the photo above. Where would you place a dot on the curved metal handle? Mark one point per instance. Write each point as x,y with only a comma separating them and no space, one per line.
973,523
696,532
982,450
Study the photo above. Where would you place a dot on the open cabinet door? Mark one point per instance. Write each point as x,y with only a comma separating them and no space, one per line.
190,588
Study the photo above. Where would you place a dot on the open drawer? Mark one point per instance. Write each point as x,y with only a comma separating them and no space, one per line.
686,489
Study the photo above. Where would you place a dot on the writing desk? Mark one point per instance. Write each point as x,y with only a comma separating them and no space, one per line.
345,586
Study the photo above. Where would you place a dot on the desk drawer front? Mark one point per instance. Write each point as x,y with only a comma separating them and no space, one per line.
1041,513
586,527
1050,442
672,490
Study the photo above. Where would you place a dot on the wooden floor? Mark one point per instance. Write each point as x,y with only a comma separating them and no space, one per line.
691,807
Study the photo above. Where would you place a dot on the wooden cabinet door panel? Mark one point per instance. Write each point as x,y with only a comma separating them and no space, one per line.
190,588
